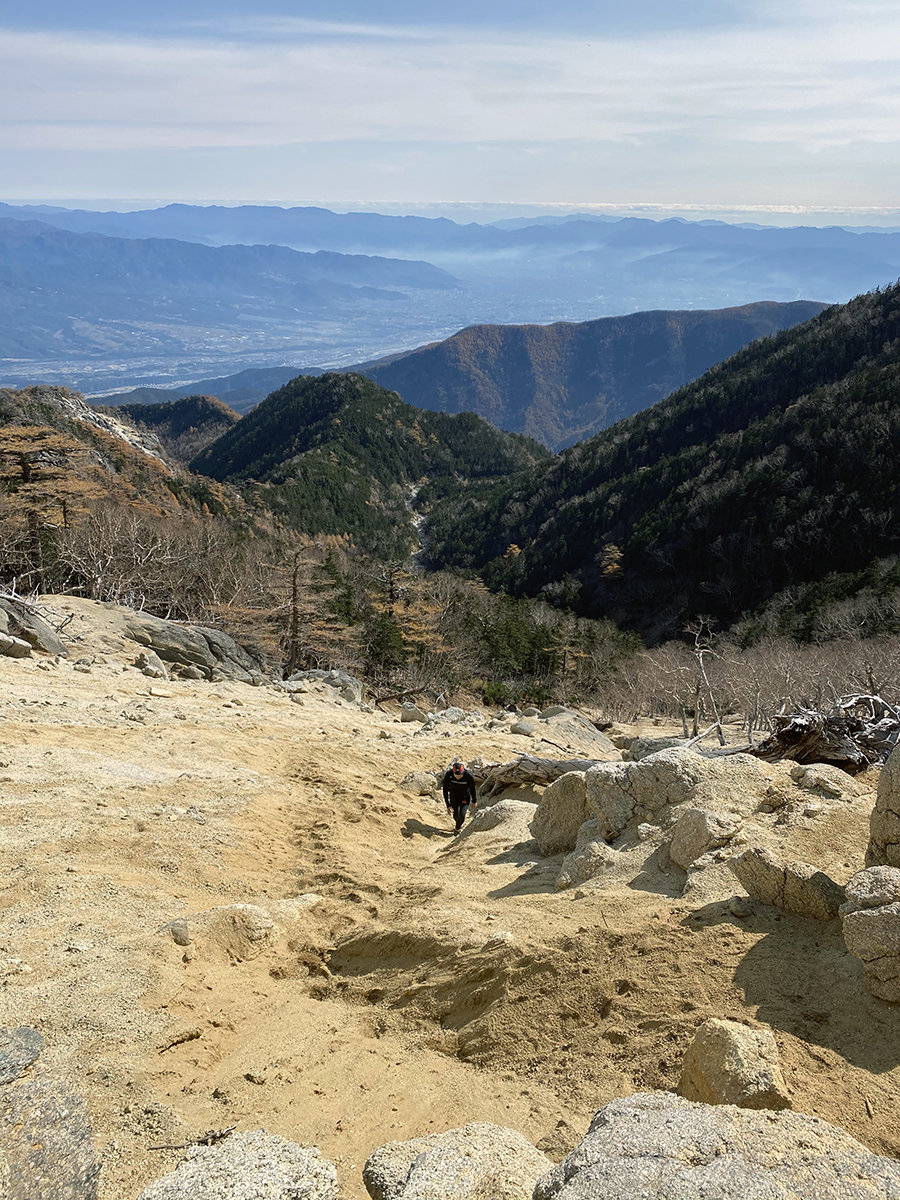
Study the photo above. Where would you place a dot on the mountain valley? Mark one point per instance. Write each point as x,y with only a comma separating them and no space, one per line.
265,286
240,647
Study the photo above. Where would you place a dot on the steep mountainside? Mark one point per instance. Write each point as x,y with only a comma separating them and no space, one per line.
183,427
57,455
339,454
560,383
775,469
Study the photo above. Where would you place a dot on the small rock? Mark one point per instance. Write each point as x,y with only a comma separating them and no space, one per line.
794,886
189,671
179,932
740,907
411,712
730,1063
150,664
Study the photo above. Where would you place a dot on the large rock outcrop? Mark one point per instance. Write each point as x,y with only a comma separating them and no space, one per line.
480,1161
619,793
884,824
561,813
198,648
248,1166
656,1146
871,928
46,1143
730,1063
20,621
794,886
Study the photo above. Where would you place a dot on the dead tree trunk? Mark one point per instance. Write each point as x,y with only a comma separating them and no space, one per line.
859,730
523,770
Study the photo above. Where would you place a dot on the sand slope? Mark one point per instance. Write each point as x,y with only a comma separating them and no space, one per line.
432,983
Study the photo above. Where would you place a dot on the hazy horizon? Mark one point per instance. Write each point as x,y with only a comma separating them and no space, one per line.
481,211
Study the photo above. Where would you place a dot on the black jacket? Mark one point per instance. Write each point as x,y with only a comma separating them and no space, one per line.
458,789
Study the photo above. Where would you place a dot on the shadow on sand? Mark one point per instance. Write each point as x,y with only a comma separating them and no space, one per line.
801,979
414,828
539,877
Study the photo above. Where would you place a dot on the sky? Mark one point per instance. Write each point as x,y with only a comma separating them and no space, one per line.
713,105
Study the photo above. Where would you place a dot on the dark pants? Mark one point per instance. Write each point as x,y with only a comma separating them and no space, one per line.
459,813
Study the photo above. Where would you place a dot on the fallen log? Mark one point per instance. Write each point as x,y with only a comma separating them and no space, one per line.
524,769
858,731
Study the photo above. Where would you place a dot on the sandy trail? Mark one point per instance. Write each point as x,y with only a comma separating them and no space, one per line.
432,983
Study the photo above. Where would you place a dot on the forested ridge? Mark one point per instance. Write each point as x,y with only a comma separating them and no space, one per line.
775,469
95,506
338,454
760,502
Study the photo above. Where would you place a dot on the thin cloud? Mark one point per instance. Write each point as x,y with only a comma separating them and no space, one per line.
816,85
268,28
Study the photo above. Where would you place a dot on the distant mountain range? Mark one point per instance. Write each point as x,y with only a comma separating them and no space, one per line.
313,228
774,473
555,383
188,291
64,294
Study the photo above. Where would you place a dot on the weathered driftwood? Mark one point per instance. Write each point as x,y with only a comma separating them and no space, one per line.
859,730
524,769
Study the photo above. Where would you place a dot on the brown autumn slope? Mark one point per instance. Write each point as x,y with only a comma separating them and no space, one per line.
52,443
561,383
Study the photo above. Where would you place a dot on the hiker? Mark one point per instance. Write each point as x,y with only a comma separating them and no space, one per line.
459,791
